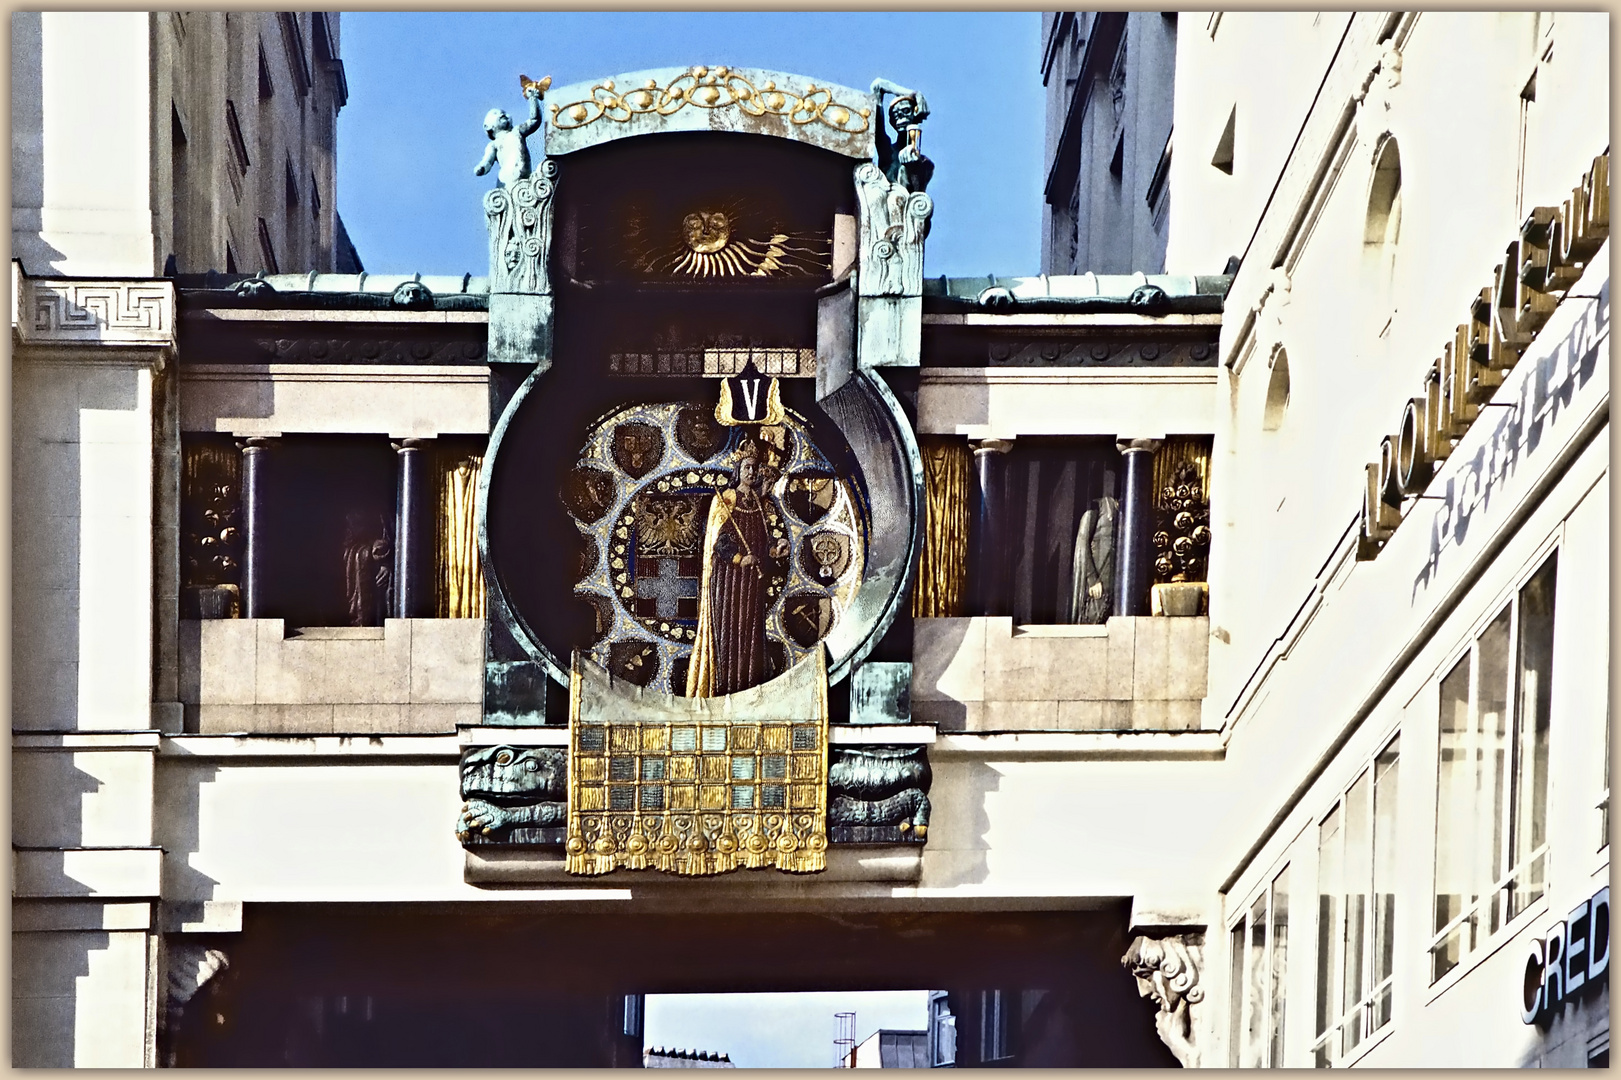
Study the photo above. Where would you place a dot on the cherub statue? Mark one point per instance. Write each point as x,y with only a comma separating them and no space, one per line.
902,161
508,145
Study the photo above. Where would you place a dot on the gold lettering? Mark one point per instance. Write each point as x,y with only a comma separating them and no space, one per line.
1505,299
1561,273
1413,463
1456,411
1533,305
1596,212
1438,442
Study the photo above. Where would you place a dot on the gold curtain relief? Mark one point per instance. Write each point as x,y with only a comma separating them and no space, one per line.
460,585
942,571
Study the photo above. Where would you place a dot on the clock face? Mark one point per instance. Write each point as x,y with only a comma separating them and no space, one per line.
639,495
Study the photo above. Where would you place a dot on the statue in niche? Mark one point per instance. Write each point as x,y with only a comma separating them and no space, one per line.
739,560
367,574
1093,592
902,160
509,146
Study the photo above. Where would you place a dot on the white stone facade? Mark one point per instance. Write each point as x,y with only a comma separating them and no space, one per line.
169,775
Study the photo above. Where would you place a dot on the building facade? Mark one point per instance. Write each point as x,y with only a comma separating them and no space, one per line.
1110,78
207,142
704,600
1411,509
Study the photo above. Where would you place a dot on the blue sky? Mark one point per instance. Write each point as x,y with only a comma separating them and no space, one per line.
420,83
776,1031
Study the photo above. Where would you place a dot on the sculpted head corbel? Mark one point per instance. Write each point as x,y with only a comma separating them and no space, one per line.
1167,971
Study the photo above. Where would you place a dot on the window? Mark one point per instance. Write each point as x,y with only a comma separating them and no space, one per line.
267,88
1491,811
239,145
942,1030
997,1024
1356,905
1259,959
1277,392
267,249
291,184
1223,157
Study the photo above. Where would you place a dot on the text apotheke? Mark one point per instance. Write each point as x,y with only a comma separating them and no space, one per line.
1553,248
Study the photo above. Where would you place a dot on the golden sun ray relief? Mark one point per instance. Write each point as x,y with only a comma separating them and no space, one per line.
713,243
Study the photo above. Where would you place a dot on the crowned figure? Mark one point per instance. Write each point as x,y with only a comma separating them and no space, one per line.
739,559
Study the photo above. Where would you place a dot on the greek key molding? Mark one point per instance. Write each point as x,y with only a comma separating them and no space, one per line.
57,312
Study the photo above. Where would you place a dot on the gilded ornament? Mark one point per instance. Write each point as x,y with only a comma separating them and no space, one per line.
711,88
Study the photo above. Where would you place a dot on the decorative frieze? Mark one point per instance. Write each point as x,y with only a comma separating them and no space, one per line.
1168,970
56,312
359,350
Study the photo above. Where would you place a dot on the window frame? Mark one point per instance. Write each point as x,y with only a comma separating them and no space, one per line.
1374,979
1271,1042
1492,903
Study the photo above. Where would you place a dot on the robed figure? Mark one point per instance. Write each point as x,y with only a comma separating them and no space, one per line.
739,560
1092,595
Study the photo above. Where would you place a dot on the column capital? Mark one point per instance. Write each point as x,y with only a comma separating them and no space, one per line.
995,446
1127,445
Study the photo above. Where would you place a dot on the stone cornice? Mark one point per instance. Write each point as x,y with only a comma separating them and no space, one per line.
57,312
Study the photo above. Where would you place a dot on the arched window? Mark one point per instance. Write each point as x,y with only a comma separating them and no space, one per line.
1384,197
1379,238
1277,392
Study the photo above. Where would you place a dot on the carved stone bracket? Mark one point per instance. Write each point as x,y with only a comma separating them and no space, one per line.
514,795
894,223
878,794
520,230
1168,970
190,966
54,312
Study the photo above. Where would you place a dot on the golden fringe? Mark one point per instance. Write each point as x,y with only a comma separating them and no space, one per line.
459,584
942,569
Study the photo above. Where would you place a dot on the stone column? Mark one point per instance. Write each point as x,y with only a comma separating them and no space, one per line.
1134,568
989,557
254,524
413,531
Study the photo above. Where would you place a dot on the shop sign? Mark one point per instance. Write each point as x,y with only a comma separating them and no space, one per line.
1550,254
1567,962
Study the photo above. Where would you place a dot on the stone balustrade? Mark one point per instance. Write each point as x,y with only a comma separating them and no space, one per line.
406,676
1130,674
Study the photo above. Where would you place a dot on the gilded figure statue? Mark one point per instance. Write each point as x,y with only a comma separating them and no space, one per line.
509,145
738,560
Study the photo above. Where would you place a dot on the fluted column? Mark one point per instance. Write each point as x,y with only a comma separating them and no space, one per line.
255,494
413,531
1134,570
989,555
